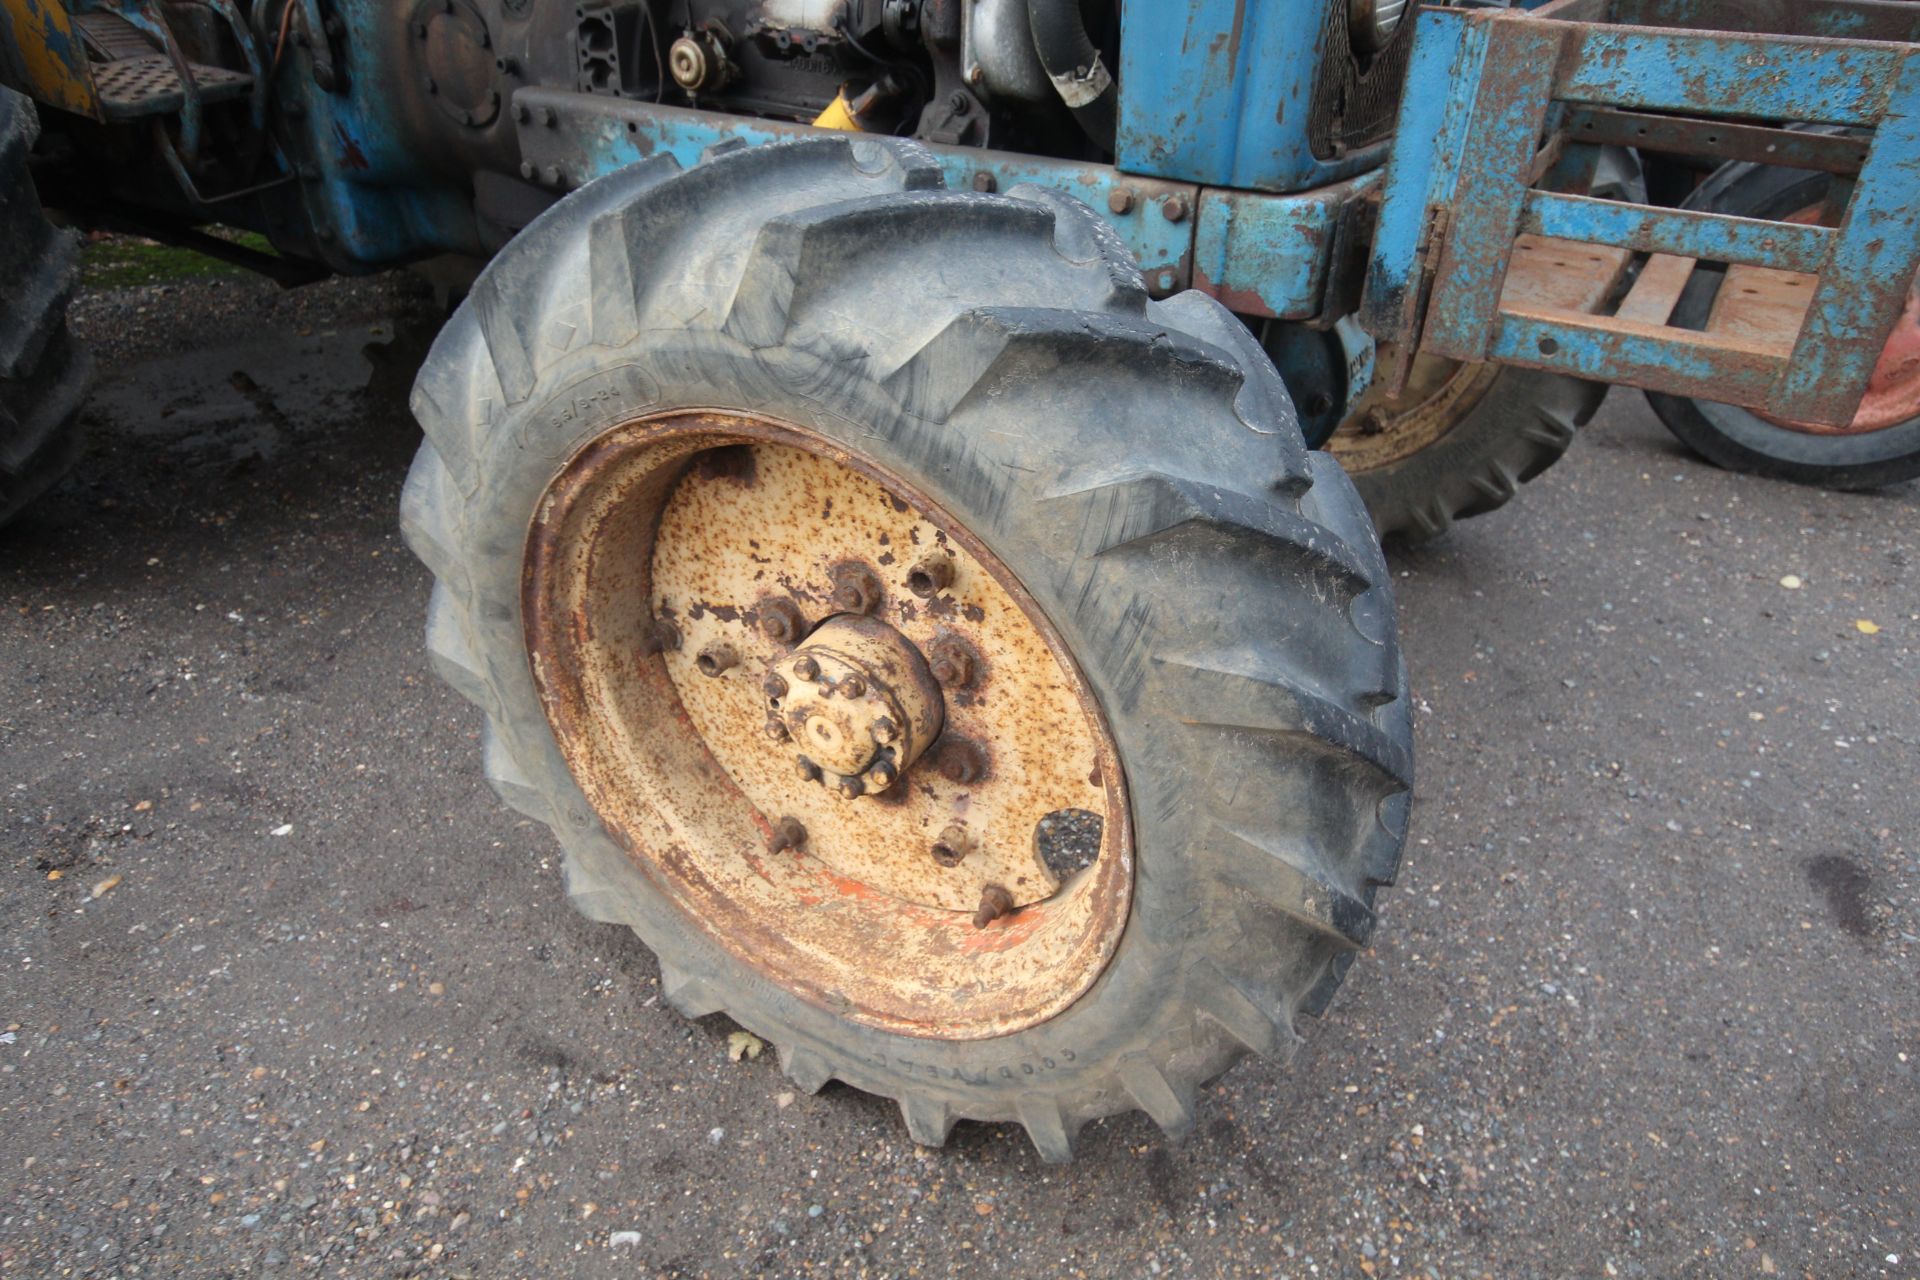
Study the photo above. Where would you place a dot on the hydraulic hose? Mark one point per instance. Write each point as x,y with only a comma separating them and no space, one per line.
1074,65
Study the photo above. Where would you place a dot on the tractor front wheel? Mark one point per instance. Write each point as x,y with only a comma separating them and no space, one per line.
949,662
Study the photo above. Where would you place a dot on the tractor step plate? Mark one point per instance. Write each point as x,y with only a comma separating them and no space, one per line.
131,88
1505,113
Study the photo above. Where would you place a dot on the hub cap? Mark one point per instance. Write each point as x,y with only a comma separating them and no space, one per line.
828,723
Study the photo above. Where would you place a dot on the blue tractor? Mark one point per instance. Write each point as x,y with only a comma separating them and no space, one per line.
905,482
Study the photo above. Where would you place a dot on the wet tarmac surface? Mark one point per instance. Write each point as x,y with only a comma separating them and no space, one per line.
284,988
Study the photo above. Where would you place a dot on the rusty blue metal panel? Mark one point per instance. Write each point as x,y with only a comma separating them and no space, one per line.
1266,254
1777,78
1434,111
1515,89
375,199
1217,92
1709,236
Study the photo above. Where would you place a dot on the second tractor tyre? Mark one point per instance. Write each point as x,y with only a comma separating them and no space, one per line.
691,424
1464,449
1883,445
43,371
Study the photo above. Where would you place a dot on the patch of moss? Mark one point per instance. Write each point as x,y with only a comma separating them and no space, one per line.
126,262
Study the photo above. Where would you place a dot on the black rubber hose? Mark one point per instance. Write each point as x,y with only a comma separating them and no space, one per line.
1074,65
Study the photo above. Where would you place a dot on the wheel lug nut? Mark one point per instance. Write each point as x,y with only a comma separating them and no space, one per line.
951,662
781,621
806,668
852,788
882,775
659,635
856,589
808,770
773,686
994,903
777,729
931,575
885,732
953,846
853,687
716,658
788,834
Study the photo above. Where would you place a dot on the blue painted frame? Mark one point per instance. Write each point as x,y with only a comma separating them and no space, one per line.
1460,186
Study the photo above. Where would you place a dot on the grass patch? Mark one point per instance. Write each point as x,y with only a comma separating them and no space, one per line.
127,262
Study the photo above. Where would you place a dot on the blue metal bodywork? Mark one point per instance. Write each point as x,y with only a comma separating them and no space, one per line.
1463,186
1215,92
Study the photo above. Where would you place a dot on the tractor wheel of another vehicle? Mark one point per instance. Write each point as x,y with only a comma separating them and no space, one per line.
1460,442
1881,446
1462,438
43,372
952,664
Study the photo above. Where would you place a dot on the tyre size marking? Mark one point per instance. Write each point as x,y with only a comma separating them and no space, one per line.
601,399
579,406
1005,1071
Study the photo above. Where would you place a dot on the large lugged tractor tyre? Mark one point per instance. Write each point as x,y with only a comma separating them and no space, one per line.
1517,424
43,372
1135,465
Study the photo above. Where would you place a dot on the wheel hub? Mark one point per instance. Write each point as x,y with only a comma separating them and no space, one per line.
828,724
858,703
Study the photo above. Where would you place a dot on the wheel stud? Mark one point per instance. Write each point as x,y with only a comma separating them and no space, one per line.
994,903
951,661
853,687
856,589
953,846
932,575
777,729
715,659
808,770
806,668
781,621
882,774
852,788
774,686
661,635
788,834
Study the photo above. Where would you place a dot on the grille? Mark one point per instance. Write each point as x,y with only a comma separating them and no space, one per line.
1356,95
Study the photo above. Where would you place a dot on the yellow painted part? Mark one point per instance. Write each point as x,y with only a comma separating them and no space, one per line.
838,115
40,46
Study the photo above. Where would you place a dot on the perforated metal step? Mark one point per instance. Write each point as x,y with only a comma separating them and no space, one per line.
149,86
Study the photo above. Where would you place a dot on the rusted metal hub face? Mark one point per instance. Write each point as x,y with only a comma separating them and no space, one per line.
1760,297
934,902
858,704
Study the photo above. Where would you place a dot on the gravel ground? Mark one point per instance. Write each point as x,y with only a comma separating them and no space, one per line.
284,988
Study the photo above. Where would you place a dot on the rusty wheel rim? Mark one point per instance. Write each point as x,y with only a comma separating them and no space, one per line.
827,723
1382,431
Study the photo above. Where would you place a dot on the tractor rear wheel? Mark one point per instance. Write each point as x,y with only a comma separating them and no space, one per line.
43,372
949,662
